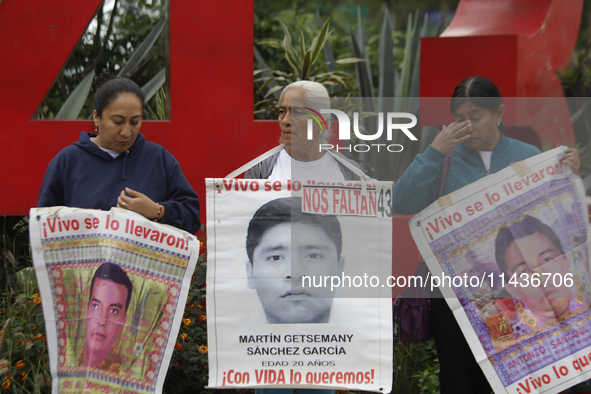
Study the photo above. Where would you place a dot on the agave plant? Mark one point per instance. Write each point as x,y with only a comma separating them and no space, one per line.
75,101
302,60
398,91
158,109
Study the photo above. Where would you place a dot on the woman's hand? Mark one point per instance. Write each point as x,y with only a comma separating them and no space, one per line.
139,203
451,136
570,157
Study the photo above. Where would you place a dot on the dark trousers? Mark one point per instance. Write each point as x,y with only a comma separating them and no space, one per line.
460,373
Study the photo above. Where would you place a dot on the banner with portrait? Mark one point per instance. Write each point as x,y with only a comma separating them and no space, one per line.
510,254
114,286
296,284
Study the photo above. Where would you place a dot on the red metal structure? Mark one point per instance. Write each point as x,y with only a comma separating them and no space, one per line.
518,44
211,129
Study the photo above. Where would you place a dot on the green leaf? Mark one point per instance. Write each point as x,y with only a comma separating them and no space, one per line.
142,50
140,70
338,80
267,101
302,44
350,60
270,43
270,81
413,88
290,52
273,90
404,82
327,49
360,38
319,41
266,74
363,52
362,76
26,279
306,64
293,62
282,73
328,53
73,105
286,33
386,60
154,84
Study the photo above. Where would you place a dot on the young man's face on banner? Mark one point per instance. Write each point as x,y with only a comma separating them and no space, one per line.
105,319
278,264
537,254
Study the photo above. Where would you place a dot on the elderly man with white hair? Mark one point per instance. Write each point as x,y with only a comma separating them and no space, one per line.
302,159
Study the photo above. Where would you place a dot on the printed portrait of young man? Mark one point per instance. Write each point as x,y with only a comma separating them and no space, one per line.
283,245
105,318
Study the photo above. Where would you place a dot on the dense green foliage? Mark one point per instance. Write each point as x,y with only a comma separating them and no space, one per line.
23,347
114,33
307,17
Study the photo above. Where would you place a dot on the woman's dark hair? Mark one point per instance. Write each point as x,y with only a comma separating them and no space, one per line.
480,91
108,87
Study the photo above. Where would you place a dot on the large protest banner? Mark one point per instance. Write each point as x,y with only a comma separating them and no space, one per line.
510,254
114,287
296,293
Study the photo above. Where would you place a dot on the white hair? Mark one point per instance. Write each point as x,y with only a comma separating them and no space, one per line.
316,97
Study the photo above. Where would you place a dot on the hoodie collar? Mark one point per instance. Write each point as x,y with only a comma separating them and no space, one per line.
85,143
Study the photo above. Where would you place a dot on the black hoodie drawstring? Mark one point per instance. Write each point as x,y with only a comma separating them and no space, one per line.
124,161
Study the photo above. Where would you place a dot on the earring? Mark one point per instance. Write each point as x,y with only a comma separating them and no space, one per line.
95,127
499,123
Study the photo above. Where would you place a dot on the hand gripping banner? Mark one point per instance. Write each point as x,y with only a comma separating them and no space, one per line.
296,284
114,287
510,254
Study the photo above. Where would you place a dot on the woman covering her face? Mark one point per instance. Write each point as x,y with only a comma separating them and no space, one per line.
116,166
478,148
